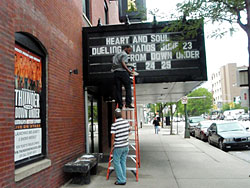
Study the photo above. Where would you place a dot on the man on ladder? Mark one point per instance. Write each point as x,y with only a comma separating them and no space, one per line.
121,73
120,146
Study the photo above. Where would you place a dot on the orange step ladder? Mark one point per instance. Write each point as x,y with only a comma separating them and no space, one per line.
135,147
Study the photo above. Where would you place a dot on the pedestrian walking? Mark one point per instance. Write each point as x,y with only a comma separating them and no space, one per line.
156,124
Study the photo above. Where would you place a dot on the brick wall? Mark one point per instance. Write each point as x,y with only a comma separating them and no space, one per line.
6,95
97,11
57,25
113,12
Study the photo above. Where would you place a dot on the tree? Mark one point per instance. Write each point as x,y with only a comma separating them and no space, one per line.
220,11
230,11
196,107
158,107
231,106
95,113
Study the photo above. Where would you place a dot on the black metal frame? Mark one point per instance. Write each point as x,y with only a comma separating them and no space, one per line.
106,10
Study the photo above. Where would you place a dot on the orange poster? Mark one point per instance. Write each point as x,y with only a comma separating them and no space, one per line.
28,70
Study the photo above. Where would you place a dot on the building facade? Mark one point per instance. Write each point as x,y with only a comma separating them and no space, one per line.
224,85
216,87
42,101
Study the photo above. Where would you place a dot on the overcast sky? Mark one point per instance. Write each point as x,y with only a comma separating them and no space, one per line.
219,52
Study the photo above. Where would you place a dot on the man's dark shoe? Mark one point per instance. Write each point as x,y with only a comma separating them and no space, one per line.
116,183
129,106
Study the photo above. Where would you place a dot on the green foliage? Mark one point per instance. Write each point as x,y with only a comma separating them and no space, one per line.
215,11
225,107
94,112
196,107
199,106
187,30
156,108
139,11
195,13
153,108
231,106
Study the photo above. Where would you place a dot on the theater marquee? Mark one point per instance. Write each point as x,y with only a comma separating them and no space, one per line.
153,54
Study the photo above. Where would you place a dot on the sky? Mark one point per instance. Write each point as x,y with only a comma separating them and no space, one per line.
219,52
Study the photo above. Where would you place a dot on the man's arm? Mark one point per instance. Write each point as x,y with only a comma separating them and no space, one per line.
125,67
153,122
112,141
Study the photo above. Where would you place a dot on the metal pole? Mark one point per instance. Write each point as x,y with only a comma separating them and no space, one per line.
177,119
200,97
86,121
92,125
187,134
249,88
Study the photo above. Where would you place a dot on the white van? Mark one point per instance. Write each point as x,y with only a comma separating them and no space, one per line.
233,114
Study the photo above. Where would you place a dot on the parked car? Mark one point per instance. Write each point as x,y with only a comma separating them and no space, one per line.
229,118
228,135
200,131
233,113
193,122
243,117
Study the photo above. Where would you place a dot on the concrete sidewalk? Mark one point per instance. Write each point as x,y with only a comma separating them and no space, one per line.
174,162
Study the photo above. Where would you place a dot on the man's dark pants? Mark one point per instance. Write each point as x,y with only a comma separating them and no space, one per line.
122,78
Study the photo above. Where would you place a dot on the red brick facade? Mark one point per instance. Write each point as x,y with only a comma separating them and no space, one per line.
57,25
97,11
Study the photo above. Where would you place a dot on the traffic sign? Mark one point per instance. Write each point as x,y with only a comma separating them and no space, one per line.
184,100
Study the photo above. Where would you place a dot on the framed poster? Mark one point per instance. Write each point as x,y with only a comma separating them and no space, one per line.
28,87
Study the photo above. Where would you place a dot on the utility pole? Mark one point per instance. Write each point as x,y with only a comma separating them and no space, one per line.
187,133
184,101
249,88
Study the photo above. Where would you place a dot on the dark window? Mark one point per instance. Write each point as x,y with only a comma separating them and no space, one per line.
106,13
85,8
213,127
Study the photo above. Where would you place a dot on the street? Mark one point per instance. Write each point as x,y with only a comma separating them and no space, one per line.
170,161
241,154
180,127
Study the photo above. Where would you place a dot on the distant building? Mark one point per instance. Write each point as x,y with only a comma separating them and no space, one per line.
216,87
224,86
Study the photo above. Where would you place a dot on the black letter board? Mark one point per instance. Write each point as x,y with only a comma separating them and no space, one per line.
153,57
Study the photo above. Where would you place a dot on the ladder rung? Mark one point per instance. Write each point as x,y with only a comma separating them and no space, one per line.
134,131
131,155
128,109
128,168
127,155
132,87
130,120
